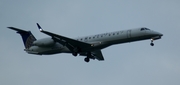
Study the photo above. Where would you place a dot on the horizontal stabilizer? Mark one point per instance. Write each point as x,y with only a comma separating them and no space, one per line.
16,29
27,36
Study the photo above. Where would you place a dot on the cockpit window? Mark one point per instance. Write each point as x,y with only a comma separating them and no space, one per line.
144,29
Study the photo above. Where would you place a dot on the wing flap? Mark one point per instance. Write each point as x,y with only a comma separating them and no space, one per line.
98,55
95,55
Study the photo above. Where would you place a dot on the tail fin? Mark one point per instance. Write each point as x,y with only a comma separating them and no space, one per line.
27,37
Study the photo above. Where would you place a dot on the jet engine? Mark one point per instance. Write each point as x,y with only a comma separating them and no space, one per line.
45,42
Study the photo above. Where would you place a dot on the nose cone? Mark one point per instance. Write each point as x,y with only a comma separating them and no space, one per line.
160,34
156,33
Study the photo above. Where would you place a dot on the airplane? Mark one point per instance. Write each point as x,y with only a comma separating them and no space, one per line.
88,46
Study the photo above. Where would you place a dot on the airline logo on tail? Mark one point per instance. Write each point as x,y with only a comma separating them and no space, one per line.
29,41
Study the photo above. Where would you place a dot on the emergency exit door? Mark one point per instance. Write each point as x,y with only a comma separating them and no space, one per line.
129,34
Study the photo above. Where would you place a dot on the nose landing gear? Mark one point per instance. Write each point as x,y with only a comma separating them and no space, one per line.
152,44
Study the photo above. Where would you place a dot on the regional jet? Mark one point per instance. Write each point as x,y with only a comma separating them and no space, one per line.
88,46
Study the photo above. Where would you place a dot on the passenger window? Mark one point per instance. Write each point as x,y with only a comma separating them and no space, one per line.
121,32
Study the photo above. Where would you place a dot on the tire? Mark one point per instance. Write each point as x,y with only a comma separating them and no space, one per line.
86,60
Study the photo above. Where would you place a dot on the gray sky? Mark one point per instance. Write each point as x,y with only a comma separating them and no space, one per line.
134,63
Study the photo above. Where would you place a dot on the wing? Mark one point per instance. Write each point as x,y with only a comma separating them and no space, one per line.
95,55
98,55
70,43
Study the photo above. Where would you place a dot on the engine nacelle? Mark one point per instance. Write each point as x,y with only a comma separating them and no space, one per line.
45,42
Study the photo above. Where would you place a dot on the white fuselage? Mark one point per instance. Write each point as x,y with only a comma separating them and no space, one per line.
99,41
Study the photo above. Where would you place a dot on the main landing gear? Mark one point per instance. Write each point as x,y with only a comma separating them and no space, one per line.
75,54
152,44
87,59
75,51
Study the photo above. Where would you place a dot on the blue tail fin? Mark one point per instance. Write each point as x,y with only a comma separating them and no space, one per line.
27,37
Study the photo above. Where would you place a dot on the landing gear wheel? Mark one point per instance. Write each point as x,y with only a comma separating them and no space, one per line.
75,51
86,60
74,54
152,44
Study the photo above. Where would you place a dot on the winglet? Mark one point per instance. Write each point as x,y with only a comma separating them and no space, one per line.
40,29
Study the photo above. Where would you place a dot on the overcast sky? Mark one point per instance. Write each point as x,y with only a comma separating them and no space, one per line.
135,63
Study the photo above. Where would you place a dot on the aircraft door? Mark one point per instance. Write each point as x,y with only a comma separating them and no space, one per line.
129,34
